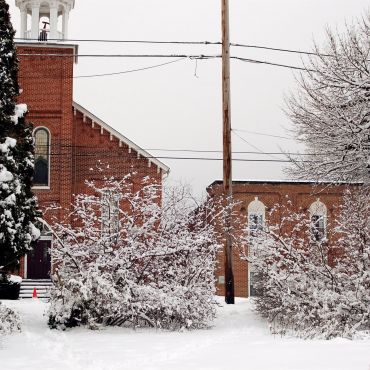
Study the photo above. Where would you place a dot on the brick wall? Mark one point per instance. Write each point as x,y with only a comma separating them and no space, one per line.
94,147
47,86
301,195
76,144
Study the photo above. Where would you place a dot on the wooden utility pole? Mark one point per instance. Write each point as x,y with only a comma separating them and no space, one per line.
227,160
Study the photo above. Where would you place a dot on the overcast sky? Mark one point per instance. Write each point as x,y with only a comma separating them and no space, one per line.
178,106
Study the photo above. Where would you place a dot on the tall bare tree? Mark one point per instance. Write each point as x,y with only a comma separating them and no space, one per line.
331,111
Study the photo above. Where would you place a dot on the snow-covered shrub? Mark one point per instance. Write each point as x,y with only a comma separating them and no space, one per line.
300,291
9,286
129,260
9,320
352,268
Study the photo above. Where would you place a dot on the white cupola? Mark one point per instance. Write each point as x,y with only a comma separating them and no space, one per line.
45,19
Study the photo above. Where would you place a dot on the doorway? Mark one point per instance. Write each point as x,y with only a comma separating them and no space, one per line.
39,261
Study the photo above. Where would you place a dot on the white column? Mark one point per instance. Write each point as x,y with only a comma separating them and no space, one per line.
53,20
65,22
23,21
35,30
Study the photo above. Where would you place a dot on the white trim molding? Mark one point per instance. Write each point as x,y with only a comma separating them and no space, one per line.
122,139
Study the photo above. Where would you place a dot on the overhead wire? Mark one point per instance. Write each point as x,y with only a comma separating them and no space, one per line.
256,61
259,152
164,42
181,57
63,55
263,134
130,70
292,51
250,144
159,42
111,155
178,56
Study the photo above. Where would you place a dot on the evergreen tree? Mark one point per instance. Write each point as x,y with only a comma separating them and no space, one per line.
18,206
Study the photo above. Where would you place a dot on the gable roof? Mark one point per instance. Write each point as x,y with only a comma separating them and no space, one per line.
121,138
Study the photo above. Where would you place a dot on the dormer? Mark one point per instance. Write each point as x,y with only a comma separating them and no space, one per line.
43,20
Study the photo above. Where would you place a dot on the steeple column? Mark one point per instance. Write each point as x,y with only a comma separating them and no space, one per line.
65,22
48,10
53,20
35,19
23,21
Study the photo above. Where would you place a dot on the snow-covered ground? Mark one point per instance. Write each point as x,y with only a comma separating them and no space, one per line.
238,340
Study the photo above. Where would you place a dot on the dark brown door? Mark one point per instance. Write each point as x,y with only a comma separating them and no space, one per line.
39,261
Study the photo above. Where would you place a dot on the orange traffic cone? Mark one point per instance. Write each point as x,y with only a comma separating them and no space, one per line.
34,294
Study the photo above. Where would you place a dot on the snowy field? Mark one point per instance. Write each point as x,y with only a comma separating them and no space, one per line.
238,340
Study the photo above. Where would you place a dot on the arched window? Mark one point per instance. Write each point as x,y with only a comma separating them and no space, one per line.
256,221
318,215
42,157
256,216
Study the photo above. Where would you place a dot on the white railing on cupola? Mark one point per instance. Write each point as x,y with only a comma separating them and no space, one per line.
40,19
28,36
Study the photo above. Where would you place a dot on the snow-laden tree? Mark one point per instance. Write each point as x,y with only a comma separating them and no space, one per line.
9,320
18,208
127,259
352,266
300,290
331,110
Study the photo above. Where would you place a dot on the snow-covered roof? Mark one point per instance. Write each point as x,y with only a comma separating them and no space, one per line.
122,139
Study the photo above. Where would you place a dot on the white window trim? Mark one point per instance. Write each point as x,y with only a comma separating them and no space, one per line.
44,187
258,208
318,208
255,207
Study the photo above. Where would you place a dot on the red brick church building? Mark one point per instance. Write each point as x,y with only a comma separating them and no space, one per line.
70,140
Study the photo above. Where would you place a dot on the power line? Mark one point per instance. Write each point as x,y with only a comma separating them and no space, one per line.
263,134
110,155
59,55
255,61
259,152
130,70
159,42
253,146
129,41
216,151
248,143
234,152
192,57
104,74
282,50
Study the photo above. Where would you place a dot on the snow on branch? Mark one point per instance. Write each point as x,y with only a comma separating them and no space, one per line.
130,258
307,287
331,109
